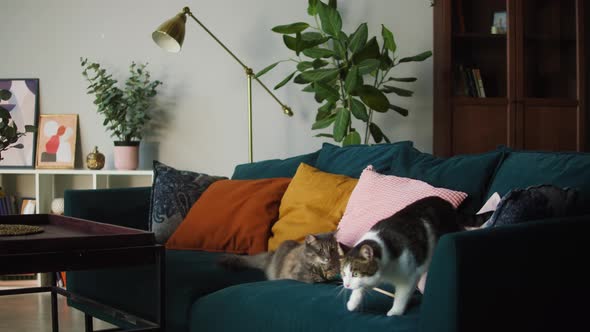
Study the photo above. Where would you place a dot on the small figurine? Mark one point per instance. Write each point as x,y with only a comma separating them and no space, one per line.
95,159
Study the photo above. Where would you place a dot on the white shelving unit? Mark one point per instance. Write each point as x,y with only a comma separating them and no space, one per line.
46,184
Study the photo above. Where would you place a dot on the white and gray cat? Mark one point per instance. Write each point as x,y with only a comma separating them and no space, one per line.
315,260
397,250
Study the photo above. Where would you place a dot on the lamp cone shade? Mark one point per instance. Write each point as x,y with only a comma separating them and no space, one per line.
170,35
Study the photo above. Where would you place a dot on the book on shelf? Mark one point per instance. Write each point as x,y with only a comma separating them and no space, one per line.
480,89
469,82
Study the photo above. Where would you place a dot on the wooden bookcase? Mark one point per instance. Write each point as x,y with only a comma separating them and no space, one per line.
533,74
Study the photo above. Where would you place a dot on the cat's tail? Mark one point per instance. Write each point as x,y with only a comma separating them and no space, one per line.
241,262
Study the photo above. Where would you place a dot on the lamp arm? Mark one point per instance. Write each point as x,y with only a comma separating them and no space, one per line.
286,109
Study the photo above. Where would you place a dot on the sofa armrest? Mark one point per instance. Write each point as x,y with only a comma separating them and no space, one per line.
127,207
526,277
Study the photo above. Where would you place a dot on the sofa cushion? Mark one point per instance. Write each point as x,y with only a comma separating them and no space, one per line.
352,159
286,305
470,174
232,216
173,194
189,275
523,169
274,168
378,196
313,203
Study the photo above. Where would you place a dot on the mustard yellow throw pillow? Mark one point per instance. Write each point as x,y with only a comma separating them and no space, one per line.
313,203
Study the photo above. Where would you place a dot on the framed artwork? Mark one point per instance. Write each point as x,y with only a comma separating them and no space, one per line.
500,24
23,106
28,206
56,140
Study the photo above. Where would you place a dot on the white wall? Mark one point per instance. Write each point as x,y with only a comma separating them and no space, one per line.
204,91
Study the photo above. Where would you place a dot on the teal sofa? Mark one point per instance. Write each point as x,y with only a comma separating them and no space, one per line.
524,277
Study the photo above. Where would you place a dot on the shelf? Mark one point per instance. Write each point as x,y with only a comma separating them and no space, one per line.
480,36
464,100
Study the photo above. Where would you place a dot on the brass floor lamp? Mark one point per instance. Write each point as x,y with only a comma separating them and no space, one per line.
170,36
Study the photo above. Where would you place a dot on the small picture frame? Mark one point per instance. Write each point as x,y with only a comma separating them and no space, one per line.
56,140
23,106
28,206
499,24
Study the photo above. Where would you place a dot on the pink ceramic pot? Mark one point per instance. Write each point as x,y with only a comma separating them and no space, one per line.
126,157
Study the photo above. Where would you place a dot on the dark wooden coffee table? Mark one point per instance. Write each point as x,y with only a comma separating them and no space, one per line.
69,244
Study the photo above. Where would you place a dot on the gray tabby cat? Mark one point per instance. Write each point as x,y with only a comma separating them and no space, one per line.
315,260
397,250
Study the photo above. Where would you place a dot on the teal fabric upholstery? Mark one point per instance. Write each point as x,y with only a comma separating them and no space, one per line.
189,274
287,305
352,159
467,173
274,168
127,207
524,277
523,169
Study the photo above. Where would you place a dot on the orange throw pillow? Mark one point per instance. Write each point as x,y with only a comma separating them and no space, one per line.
314,203
232,216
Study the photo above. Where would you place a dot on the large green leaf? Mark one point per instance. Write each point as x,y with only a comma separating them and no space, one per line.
359,110
388,39
291,28
373,98
319,63
376,132
386,62
326,92
333,4
420,57
402,79
317,52
304,65
352,138
302,42
285,81
358,39
341,124
266,69
318,75
400,110
324,135
324,123
300,80
369,51
308,88
330,19
325,110
340,46
398,91
312,7
352,80
368,66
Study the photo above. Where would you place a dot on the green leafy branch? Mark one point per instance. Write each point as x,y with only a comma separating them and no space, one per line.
334,66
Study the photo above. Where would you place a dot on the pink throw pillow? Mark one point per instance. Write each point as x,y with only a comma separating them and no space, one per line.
378,196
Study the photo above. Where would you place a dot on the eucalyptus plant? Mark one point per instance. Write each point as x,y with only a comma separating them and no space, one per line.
9,134
126,111
349,74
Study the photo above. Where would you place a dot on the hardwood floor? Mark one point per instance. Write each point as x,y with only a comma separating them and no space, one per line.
32,313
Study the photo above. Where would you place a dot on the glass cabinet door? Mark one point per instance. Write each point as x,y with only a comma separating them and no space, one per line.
479,48
549,53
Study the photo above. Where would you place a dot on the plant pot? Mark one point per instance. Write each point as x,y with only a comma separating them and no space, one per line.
126,155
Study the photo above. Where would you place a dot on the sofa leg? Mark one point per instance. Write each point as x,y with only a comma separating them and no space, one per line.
88,323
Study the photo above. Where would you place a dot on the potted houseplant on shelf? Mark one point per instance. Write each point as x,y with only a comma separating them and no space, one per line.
126,110
349,74
9,132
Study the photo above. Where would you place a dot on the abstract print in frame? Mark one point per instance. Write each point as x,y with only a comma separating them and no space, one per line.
56,140
23,106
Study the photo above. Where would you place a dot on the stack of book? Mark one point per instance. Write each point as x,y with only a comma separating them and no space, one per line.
8,205
469,82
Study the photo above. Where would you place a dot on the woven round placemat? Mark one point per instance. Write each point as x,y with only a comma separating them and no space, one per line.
11,230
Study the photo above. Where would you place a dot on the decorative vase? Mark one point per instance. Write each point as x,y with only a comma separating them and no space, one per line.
126,155
95,159
57,206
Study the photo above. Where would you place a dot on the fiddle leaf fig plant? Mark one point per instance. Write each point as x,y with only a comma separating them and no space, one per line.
9,132
350,75
126,111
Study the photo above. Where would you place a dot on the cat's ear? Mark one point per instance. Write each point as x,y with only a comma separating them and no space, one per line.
342,249
366,252
310,239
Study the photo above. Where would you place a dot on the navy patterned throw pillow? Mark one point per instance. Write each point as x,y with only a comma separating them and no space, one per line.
173,194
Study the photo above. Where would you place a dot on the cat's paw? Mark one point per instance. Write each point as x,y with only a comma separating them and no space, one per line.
395,312
352,305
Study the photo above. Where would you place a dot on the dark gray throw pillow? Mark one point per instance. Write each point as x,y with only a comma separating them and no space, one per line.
173,194
534,203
